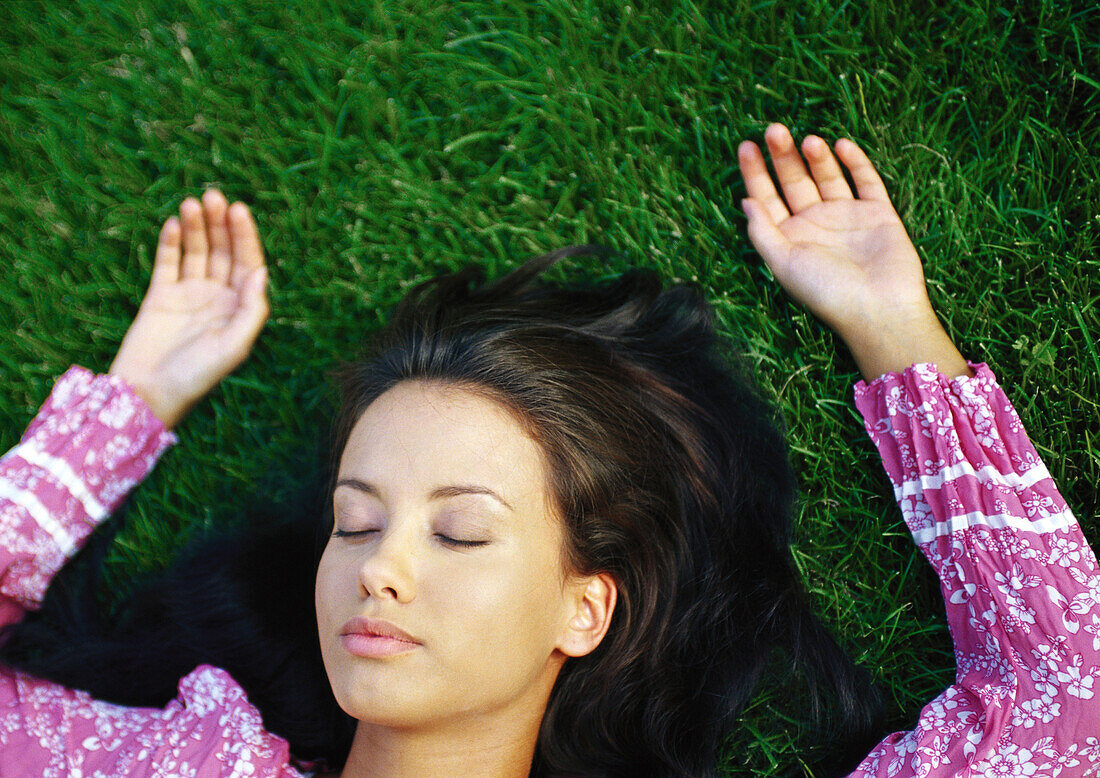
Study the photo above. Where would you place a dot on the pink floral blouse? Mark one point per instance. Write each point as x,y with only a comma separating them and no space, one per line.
1021,587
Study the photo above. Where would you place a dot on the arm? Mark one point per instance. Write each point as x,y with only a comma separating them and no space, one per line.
91,443
95,438
1019,580
1020,583
98,435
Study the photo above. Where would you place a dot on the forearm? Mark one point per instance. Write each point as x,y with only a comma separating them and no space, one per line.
893,346
88,446
1017,575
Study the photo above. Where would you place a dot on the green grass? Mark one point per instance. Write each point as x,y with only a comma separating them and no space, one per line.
379,146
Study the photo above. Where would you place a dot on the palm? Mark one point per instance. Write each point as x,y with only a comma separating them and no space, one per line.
203,311
847,259
182,329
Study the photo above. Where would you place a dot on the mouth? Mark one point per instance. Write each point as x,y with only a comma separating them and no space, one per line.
374,638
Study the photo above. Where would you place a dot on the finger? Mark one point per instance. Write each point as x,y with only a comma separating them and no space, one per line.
217,232
866,178
772,244
248,253
195,249
246,322
826,172
166,264
758,181
798,188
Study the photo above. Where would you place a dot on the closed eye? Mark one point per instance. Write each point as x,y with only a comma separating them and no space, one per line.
456,543
444,539
343,533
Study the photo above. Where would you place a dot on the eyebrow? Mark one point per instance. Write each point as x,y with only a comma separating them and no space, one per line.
439,493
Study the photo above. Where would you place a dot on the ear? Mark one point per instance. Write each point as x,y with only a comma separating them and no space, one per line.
593,602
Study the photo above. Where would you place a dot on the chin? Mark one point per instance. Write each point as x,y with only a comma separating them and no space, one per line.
368,695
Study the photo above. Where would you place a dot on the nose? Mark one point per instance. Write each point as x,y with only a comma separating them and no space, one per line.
386,570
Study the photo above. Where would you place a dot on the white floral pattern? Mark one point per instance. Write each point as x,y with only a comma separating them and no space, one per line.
95,435
1021,585
1023,602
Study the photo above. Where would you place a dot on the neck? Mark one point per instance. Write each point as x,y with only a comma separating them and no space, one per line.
471,748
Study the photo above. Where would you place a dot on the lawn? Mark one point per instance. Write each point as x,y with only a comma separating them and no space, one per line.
380,143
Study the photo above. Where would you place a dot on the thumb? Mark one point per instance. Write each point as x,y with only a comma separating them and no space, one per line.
772,245
252,311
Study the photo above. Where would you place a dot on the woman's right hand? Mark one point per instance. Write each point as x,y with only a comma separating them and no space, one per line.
847,259
204,309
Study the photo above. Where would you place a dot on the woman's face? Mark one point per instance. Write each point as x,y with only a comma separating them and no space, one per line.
452,540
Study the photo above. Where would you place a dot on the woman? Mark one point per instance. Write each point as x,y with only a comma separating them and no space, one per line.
558,526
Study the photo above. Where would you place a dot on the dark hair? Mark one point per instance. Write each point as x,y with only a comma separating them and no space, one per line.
672,474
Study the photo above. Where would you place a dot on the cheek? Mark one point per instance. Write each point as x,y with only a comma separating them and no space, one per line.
513,603
329,582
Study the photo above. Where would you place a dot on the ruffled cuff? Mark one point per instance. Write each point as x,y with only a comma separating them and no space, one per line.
957,453
93,440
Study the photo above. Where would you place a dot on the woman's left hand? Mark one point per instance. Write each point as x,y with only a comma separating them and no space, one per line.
205,307
847,258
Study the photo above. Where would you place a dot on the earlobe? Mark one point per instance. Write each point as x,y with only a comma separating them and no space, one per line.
594,605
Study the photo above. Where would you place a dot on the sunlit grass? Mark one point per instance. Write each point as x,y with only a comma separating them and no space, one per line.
380,146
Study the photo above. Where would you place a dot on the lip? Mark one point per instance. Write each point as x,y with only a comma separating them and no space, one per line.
375,638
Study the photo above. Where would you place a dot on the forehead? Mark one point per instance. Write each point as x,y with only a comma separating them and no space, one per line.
443,433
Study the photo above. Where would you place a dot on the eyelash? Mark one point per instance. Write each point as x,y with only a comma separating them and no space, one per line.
342,533
460,543
447,541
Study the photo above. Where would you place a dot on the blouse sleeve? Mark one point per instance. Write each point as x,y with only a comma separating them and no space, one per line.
210,730
93,440
1020,583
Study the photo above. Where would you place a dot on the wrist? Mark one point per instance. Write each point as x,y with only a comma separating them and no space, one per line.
894,346
168,413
